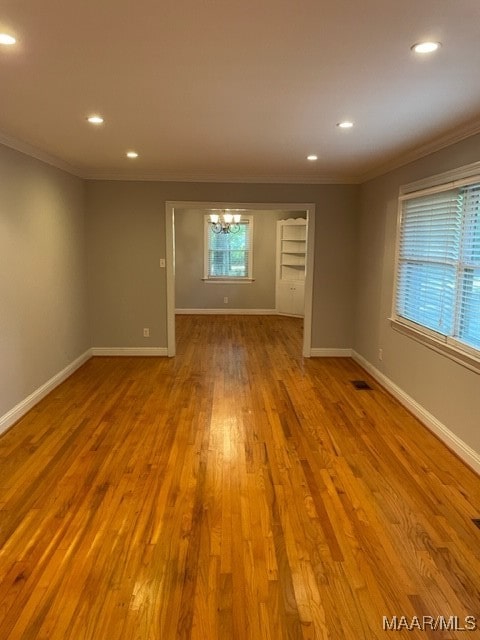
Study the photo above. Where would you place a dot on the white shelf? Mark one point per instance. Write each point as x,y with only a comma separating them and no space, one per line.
294,246
294,232
291,261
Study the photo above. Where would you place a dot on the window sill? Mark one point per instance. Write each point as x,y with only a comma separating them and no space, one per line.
228,280
459,355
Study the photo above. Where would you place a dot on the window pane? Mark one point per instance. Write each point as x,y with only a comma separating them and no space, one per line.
471,227
470,308
228,253
438,270
429,248
431,227
427,295
228,263
469,298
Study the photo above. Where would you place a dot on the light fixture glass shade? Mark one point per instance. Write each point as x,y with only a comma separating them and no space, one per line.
226,223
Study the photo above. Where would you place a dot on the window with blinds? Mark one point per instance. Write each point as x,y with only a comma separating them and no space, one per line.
228,256
438,265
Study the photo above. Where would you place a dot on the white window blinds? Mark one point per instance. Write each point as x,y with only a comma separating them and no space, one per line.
229,254
438,268
469,268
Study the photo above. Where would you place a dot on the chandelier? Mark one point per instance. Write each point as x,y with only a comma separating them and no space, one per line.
227,223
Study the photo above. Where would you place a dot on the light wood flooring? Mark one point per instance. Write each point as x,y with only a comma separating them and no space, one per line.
234,492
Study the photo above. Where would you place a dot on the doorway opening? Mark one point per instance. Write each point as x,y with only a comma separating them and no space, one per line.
173,209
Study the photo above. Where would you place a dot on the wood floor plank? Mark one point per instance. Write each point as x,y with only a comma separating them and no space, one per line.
237,491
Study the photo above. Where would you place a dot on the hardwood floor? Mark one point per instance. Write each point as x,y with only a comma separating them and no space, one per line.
234,492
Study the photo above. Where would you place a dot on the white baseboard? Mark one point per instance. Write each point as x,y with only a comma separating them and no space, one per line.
9,418
453,442
129,351
226,312
330,353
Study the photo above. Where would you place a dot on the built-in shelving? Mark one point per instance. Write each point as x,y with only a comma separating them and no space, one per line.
291,261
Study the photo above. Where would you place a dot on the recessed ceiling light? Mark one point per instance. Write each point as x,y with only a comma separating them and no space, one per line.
346,124
7,39
426,47
95,119
132,154
312,157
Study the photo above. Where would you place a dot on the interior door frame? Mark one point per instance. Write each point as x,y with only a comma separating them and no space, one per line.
171,206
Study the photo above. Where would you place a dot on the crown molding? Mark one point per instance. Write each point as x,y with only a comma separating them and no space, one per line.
221,177
38,154
453,176
440,142
159,176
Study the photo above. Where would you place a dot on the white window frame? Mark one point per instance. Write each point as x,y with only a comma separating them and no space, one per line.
227,279
455,350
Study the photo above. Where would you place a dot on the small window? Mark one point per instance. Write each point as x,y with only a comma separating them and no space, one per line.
438,264
228,256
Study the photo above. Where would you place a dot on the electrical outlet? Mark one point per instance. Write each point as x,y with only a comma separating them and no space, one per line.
225,300
380,354
146,332
162,263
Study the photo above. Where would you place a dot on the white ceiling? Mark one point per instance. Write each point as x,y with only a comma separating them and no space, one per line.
237,89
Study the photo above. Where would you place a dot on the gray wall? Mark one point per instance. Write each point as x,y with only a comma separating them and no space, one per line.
126,238
43,301
127,287
191,292
446,389
51,256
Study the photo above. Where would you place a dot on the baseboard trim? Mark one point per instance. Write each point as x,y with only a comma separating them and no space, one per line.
331,353
226,312
17,412
453,442
129,351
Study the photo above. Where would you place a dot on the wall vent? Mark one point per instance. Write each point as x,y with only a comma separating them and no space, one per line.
361,385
